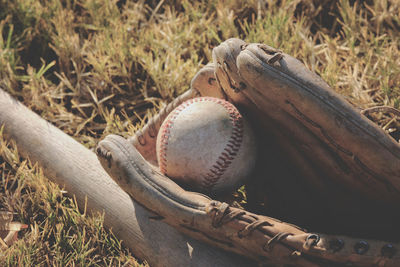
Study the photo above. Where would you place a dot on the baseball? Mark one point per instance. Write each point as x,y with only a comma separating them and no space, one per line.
207,145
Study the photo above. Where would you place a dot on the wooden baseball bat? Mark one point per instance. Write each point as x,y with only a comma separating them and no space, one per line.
76,168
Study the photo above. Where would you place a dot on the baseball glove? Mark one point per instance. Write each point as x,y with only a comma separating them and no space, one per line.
322,165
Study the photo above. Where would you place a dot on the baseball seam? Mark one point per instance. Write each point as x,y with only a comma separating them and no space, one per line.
227,155
165,134
231,149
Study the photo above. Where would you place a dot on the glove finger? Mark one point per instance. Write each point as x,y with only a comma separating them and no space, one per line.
205,82
366,157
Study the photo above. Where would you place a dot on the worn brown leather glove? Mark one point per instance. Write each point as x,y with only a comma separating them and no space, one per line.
322,165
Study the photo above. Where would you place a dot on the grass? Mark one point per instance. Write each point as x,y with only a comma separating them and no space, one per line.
98,67
59,233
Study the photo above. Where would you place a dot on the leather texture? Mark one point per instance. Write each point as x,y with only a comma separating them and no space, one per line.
322,165
323,153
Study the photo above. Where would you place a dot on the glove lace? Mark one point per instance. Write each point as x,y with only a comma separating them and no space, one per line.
275,239
223,214
251,227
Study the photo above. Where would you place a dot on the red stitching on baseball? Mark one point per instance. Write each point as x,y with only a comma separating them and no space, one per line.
229,152
231,148
165,131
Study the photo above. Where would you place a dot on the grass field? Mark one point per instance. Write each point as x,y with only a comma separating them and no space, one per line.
98,67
